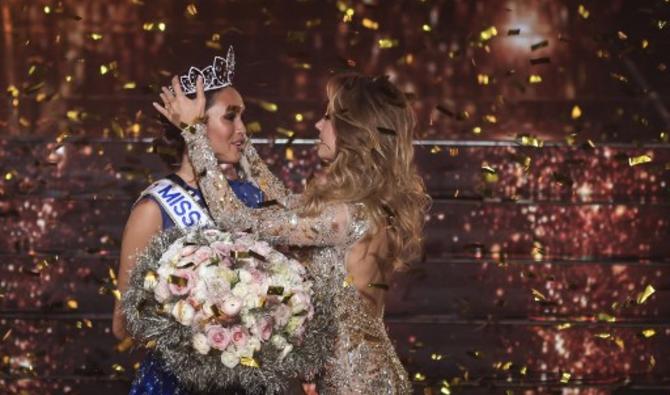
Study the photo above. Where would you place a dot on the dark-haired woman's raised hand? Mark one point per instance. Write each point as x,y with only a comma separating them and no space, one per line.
178,108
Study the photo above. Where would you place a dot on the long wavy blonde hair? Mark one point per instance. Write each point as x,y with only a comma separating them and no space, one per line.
374,162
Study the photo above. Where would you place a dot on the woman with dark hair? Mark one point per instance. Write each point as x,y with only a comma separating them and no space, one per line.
176,201
362,219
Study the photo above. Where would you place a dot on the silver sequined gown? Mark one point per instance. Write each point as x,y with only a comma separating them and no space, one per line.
364,360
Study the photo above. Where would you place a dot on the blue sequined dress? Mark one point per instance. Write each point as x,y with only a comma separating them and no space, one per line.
152,378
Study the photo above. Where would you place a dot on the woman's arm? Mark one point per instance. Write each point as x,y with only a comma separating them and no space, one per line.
258,172
144,222
279,225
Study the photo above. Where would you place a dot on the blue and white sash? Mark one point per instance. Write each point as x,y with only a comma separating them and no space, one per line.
182,208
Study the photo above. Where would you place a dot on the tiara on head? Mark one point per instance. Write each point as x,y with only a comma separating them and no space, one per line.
215,76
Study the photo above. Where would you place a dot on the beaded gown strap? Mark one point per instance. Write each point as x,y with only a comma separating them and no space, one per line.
258,173
333,226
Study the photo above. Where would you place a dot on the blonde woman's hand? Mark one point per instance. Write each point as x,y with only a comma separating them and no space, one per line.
179,109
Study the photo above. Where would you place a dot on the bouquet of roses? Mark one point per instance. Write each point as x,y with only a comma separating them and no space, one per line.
223,308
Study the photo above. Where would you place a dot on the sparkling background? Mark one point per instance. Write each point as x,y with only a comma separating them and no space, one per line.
542,239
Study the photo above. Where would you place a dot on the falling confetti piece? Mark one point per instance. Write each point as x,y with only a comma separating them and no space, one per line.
603,335
647,333
268,106
583,12
529,141
565,377
490,118
426,28
644,295
564,326
129,85
47,9
118,368
534,79
72,304
289,154
370,24
576,112
7,335
435,149
622,35
538,296
254,127
96,36
606,317
483,79
436,357
541,44
192,9
385,43
488,34
638,160
125,344
418,376
477,130
103,69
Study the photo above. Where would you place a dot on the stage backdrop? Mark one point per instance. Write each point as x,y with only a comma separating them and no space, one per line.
542,137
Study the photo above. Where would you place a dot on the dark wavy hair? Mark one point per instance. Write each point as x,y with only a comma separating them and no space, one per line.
170,146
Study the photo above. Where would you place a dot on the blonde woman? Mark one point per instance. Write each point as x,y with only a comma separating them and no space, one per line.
363,218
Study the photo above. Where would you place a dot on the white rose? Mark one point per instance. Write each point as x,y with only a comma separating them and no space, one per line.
200,343
285,351
278,341
183,312
245,276
241,290
254,344
229,359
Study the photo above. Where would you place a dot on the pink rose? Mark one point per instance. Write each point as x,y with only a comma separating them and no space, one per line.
218,337
162,291
262,248
231,305
188,250
239,336
242,244
183,287
282,314
264,328
221,248
203,254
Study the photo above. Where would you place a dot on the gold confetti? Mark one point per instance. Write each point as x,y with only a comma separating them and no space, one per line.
129,85
435,149
117,294
298,117
529,141
426,27
125,344
619,342
576,112
418,376
96,36
436,357
622,35
647,333
73,115
348,15
191,9
162,26
638,160
104,69
583,12
661,24
289,154
565,377
535,79
645,44
523,370
370,24
644,295
483,79
249,362
444,388
537,252
286,132
253,127
385,43
267,106
489,174
348,281
148,26
72,304
490,118
564,326
47,9
603,335
488,34
477,130
7,335
538,296
118,368
606,317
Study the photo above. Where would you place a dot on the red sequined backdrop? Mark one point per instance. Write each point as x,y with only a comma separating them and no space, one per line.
543,139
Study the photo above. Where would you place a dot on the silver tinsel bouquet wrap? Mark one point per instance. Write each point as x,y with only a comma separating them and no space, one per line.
222,309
